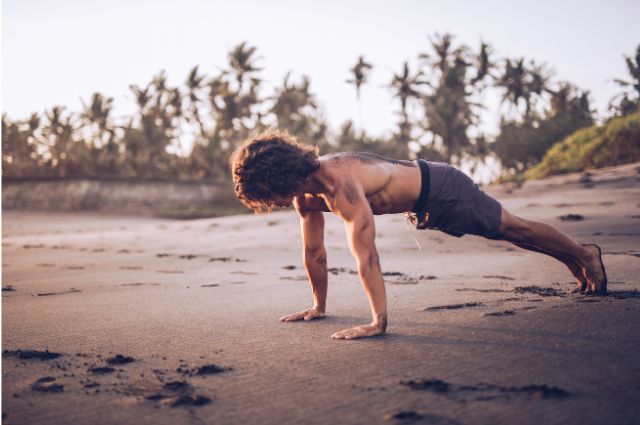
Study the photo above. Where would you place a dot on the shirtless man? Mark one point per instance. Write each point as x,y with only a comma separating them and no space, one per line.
276,170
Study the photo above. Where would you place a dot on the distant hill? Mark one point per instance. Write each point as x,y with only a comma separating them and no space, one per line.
617,141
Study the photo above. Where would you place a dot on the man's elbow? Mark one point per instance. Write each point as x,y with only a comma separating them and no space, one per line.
368,262
317,255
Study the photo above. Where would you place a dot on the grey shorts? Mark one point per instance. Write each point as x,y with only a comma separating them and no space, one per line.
455,205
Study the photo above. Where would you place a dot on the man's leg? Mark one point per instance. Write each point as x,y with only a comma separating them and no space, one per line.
548,240
571,264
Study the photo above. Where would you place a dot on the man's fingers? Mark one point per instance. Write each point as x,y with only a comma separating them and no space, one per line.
306,315
357,332
346,334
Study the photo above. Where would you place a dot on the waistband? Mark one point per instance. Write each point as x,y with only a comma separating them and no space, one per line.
424,187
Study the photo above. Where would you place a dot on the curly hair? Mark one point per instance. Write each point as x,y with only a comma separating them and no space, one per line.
272,164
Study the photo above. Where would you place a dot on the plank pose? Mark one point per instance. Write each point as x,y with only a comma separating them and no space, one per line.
276,170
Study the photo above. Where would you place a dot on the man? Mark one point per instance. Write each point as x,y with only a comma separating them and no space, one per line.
276,170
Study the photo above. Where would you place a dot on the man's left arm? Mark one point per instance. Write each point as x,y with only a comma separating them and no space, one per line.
354,208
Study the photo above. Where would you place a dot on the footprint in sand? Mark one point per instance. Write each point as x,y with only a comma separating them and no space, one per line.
47,294
31,354
630,253
294,278
188,257
500,313
571,217
227,259
486,392
454,306
100,370
411,416
481,290
178,394
537,290
47,384
498,276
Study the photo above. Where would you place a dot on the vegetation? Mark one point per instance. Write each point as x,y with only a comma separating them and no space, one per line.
615,142
438,108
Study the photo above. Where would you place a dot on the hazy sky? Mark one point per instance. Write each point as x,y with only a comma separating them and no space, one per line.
57,52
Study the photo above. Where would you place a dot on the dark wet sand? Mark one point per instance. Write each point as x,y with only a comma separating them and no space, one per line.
176,322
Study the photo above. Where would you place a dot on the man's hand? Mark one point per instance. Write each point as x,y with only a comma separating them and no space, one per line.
306,315
360,332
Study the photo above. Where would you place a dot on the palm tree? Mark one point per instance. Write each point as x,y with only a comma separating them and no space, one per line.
406,87
442,45
295,107
628,102
448,112
242,62
20,142
360,72
69,156
104,148
513,81
195,83
633,65
523,83
483,64
448,107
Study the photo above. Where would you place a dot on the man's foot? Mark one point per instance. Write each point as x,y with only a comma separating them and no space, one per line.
594,271
577,272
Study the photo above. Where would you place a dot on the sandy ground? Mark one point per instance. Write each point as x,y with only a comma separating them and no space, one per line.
195,304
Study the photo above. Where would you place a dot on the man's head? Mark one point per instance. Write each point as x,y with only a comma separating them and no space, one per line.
269,169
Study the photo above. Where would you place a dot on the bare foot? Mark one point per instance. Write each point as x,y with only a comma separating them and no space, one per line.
361,331
594,271
577,272
307,315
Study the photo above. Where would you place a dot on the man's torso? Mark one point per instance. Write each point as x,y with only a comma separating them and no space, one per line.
390,186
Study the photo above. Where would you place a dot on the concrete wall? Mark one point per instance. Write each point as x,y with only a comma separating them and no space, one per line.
119,196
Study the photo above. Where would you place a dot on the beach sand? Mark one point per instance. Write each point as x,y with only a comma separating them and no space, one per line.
176,322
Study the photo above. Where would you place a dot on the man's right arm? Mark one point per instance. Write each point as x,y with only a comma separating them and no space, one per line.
314,256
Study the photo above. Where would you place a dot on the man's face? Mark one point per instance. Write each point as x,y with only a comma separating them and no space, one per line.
282,201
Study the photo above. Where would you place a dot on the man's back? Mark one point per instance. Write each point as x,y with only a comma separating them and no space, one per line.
390,186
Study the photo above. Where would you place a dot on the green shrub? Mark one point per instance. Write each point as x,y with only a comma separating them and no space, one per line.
615,142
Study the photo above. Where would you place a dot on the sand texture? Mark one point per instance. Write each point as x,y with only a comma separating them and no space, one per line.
118,320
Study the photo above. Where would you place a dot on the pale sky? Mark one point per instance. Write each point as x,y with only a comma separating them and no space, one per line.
58,52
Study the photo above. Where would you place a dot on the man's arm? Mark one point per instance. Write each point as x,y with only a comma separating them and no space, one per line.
354,208
315,262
